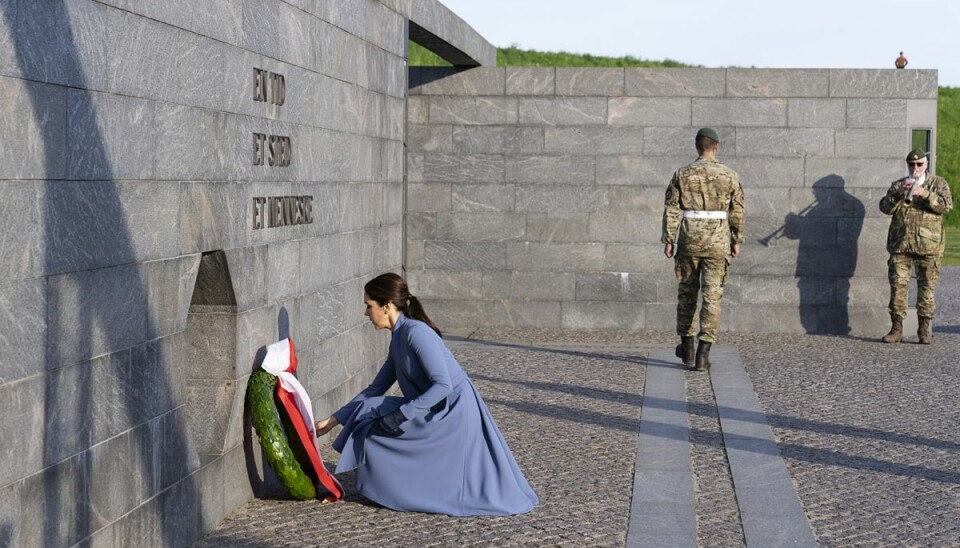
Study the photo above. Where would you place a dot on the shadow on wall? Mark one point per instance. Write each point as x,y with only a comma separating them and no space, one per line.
827,231
114,436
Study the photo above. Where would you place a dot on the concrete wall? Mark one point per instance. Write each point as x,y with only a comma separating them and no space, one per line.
535,195
135,292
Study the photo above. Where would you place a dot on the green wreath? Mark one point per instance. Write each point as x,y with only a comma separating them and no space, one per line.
270,429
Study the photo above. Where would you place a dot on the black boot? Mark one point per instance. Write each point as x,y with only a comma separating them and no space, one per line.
685,351
703,356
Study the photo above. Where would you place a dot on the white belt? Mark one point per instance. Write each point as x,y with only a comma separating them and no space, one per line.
692,214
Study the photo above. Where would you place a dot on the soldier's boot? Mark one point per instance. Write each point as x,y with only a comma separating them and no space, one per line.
703,356
923,331
685,350
896,330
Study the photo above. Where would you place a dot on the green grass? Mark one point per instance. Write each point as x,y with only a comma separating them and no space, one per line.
948,148
951,256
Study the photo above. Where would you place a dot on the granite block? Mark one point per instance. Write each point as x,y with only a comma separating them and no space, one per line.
593,140
604,82
9,66
346,14
870,143
421,226
340,54
921,113
530,80
888,84
248,276
623,227
418,108
480,168
876,113
524,313
430,138
431,197
386,29
789,142
208,410
10,514
776,290
532,286
23,399
55,504
220,19
236,487
449,109
679,142
415,167
199,71
110,136
211,343
563,111
559,200
484,197
296,40
469,256
178,457
446,284
81,321
139,63
561,169
637,170
35,146
532,256
767,172
261,26
23,309
114,477
453,81
413,255
816,112
767,202
572,228
490,139
324,313
643,202
615,286
62,43
636,257
181,505
143,526
876,173
182,144
211,484
739,112
784,83
675,82
480,226
600,315
283,270
212,216
650,111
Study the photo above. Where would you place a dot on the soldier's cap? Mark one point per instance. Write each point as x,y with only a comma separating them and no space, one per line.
708,133
917,154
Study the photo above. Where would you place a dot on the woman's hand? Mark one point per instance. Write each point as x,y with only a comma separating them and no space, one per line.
326,425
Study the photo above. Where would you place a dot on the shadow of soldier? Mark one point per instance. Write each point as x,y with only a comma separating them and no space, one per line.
827,232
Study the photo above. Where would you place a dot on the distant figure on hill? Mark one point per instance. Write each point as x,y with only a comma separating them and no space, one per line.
901,61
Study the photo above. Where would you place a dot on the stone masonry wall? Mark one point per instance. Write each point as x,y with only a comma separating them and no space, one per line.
127,172
535,195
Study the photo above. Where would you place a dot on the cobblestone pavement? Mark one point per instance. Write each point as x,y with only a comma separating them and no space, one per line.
869,434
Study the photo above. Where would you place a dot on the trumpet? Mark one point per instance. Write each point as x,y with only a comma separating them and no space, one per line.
781,230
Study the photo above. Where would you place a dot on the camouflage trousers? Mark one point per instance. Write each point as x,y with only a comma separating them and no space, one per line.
927,268
696,275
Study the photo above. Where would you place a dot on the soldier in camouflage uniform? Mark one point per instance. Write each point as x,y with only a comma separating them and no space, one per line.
917,203
702,227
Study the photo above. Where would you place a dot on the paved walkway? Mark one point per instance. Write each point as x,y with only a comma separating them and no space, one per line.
791,440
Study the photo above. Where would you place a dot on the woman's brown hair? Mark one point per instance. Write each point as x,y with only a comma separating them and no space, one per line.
392,288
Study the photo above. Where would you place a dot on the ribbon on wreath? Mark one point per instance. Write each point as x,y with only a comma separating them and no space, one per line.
281,362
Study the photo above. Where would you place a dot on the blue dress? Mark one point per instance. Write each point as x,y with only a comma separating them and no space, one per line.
451,458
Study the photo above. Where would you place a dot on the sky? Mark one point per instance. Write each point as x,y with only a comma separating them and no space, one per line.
741,33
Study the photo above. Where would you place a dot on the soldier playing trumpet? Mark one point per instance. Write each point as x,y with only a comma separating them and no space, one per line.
915,239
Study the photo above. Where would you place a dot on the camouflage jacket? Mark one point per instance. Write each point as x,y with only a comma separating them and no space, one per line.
704,185
917,227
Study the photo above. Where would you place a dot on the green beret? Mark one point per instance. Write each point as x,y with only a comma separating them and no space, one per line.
917,154
708,133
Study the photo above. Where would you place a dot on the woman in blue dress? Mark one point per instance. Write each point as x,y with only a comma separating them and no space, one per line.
435,449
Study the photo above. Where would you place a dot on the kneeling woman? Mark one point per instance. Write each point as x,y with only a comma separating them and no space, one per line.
437,448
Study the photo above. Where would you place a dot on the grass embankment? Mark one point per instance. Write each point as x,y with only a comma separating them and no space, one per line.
516,57
951,256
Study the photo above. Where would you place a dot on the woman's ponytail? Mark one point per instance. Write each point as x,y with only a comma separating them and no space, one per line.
392,288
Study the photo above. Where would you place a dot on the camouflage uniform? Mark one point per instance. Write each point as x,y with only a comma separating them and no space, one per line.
915,239
702,246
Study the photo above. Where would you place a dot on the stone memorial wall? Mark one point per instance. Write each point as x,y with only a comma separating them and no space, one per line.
535,195
181,184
